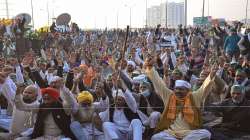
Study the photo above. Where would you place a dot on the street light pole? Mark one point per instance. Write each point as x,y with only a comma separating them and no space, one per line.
203,8
185,12
32,13
117,20
146,13
246,13
130,16
48,12
208,9
7,8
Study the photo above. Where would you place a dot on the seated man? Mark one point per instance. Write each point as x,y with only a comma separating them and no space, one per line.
22,120
53,118
121,120
8,90
235,113
85,124
181,118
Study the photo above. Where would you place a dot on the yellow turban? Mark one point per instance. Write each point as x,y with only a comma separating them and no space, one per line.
85,96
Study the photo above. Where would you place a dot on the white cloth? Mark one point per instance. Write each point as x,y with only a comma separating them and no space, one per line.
183,68
132,63
219,72
102,105
138,60
42,74
120,120
242,83
141,78
117,93
86,131
193,135
121,127
150,121
113,132
154,119
53,79
8,89
69,100
182,83
165,58
50,127
21,121
129,99
43,54
19,75
66,67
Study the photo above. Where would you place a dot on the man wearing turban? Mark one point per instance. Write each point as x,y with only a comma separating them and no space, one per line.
86,121
53,119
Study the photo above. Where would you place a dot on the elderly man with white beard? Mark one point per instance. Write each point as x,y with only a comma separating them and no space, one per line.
87,124
120,120
22,120
235,114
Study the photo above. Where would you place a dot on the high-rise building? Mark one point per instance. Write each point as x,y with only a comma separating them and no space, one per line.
153,16
175,14
163,14
167,14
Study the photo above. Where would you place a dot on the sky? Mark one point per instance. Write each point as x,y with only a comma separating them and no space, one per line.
106,13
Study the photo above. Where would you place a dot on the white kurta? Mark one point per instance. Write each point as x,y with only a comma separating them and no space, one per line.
8,89
121,128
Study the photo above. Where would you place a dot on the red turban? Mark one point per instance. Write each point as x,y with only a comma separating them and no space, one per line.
51,92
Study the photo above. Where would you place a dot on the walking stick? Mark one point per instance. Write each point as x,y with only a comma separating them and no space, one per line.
122,56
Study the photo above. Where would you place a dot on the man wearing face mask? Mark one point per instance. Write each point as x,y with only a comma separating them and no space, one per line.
154,109
181,118
235,113
241,79
146,89
244,43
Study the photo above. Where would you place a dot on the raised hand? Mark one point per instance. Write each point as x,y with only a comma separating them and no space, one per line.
13,61
25,62
60,61
149,63
20,88
214,70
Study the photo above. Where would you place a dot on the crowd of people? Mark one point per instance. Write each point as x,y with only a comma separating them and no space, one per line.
187,83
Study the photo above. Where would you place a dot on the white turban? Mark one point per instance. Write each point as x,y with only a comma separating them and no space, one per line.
119,93
182,83
53,79
141,78
132,63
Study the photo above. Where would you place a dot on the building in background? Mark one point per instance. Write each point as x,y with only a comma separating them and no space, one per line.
175,14
153,14
167,14
163,14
